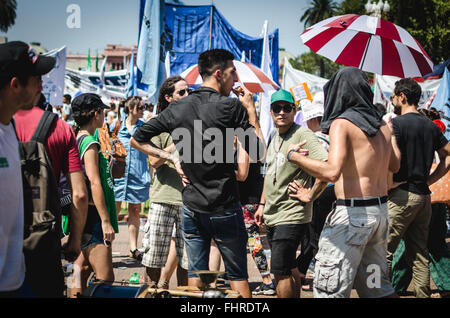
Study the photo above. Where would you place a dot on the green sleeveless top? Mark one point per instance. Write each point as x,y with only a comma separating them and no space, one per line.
105,177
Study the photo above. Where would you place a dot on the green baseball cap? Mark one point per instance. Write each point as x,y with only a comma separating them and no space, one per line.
282,95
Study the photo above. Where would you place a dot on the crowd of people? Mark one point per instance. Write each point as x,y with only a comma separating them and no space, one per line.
342,195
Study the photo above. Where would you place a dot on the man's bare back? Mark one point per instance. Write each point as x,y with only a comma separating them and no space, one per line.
366,164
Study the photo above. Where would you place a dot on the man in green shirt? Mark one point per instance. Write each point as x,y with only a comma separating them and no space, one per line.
165,201
286,217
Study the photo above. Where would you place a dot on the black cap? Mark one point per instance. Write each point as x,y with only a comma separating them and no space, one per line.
19,58
84,103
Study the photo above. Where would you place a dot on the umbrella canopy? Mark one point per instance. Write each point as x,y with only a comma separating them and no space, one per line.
370,44
248,74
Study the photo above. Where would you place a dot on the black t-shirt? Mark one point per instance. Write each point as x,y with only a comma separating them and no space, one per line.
196,124
251,189
418,138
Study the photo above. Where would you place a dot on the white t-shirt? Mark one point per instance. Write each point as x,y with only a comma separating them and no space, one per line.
12,262
67,110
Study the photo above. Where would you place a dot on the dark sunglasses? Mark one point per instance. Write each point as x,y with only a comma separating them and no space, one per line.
141,107
184,91
287,108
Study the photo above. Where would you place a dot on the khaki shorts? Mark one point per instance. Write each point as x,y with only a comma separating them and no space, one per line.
352,253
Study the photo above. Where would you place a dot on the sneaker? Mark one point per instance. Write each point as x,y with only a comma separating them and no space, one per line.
265,289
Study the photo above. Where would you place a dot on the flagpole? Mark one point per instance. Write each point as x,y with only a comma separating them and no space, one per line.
210,26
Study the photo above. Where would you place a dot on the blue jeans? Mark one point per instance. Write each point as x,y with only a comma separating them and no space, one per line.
96,237
23,292
228,231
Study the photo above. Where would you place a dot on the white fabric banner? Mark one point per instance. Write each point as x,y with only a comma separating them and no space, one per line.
265,119
53,82
293,77
115,83
385,86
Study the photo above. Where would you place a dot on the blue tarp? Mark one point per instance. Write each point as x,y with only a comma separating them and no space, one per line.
187,34
438,70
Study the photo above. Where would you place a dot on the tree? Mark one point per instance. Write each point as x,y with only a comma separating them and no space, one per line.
319,10
7,14
428,22
310,63
351,7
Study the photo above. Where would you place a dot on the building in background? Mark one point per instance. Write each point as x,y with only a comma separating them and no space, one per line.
118,58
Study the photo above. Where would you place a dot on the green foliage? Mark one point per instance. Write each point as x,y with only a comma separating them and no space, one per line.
427,21
317,11
351,7
311,63
7,14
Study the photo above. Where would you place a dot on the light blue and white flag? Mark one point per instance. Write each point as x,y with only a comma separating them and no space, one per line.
132,79
53,82
151,53
102,73
442,102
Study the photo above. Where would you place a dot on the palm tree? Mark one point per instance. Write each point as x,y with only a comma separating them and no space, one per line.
319,10
7,14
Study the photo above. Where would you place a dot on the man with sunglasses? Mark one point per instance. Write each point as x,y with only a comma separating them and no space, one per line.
161,245
285,217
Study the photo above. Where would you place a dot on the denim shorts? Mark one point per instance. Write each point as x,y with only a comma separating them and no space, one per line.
228,231
93,232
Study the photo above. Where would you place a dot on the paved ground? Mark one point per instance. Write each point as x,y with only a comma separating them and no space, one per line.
124,266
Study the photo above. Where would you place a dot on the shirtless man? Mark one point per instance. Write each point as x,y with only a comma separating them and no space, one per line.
353,243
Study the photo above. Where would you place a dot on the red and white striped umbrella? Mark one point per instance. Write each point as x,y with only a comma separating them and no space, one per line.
248,74
370,44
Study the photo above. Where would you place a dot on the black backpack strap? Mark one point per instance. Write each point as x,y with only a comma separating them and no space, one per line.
13,123
43,127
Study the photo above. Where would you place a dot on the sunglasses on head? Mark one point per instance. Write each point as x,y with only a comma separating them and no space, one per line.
287,108
183,91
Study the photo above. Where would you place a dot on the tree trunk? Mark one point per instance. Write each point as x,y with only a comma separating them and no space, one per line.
322,67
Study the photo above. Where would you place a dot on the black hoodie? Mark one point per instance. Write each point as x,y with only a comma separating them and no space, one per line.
348,95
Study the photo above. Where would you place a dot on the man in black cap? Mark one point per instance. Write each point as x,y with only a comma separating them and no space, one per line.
20,87
353,243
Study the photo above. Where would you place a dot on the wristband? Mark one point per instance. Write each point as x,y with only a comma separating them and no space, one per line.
260,203
290,154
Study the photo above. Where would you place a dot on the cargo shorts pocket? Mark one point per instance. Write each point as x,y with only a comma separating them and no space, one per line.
359,229
327,274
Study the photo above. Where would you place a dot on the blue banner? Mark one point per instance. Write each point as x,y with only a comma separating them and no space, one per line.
191,30
151,46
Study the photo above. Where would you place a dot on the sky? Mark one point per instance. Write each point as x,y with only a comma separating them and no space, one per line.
116,22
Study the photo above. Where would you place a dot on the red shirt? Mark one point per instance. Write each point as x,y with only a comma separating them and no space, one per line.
61,143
